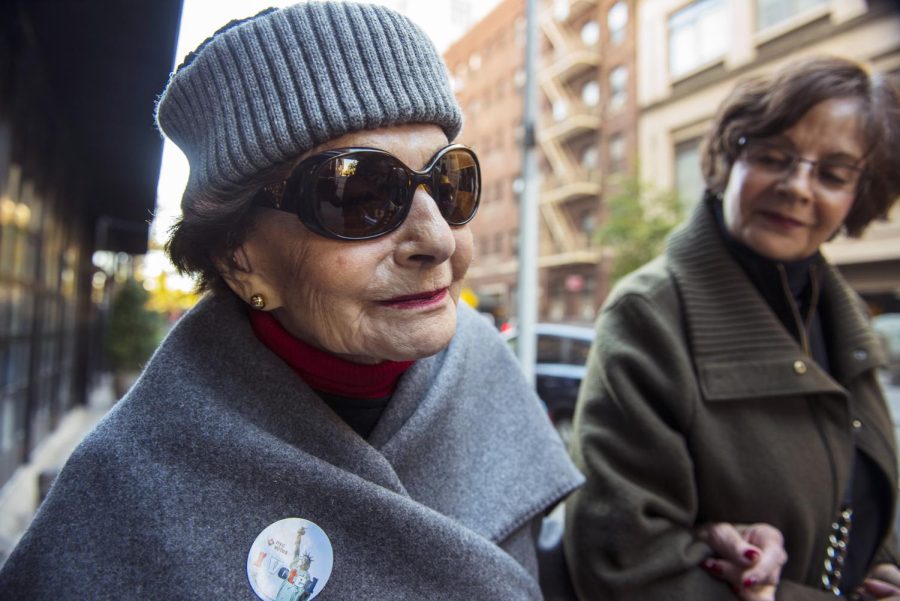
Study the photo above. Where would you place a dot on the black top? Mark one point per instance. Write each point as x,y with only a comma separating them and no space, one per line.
360,414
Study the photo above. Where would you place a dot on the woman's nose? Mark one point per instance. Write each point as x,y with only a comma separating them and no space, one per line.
425,236
800,179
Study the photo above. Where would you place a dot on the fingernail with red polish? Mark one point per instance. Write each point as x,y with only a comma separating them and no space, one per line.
751,554
750,582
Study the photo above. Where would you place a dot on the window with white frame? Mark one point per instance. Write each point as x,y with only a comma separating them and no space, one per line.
773,12
698,35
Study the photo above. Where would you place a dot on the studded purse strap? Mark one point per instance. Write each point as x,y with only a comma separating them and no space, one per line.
836,552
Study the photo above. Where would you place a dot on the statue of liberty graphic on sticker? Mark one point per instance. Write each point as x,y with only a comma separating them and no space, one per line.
291,560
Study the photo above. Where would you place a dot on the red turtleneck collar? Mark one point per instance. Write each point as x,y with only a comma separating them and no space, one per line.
322,370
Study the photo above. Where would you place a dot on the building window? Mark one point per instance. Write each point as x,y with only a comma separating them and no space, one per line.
688,179
590,93
698,35
556,309
560,110
590,33
773,12
520,29
616,20
560,9
587,312
616,152
589,157
587,224
518,187
519,78
618,86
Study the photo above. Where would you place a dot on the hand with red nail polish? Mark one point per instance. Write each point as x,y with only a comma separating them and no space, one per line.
748,558
882,582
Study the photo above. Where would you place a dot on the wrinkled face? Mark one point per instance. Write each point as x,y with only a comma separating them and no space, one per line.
390,298
786,217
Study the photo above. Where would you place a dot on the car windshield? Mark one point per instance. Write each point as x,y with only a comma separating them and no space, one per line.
560,347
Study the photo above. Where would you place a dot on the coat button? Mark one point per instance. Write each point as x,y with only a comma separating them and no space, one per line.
856,424
799,367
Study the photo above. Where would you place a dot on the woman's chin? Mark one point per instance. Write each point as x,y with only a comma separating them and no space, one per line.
420,340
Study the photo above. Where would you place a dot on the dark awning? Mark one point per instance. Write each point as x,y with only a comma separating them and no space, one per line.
106,62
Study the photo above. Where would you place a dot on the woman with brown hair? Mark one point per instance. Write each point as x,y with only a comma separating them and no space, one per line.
747,364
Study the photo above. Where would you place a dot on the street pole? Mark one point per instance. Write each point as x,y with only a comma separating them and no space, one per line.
528,213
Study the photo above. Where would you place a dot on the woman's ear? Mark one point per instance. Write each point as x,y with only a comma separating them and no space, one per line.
244,280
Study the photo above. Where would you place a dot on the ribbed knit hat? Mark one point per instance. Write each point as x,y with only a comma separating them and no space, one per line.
271,87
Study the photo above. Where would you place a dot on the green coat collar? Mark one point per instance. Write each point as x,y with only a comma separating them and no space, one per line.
741,349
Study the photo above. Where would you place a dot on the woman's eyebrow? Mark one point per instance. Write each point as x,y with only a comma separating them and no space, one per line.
842,155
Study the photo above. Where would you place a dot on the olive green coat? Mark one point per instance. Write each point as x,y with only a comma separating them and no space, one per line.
699,406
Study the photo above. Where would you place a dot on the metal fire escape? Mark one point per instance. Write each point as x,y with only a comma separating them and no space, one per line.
569,59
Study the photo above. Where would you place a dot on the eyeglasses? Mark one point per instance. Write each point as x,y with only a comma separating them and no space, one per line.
364,193
829,174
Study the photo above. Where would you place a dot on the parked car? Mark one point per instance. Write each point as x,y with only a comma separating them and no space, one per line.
562,352
887,326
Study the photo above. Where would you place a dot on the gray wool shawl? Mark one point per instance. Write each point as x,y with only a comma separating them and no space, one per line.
219,438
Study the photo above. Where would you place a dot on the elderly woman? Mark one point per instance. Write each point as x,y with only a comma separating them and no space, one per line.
327,422
734,379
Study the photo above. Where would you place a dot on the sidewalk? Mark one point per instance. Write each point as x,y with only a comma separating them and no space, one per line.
19,496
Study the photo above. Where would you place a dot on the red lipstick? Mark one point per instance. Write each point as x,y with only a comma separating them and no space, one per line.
416,301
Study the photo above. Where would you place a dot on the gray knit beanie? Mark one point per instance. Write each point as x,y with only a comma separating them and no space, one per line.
264,90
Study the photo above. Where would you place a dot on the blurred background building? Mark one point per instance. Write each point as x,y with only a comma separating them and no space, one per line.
628,89
587,133
79,162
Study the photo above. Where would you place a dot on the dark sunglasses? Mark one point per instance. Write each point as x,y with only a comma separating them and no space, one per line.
364,193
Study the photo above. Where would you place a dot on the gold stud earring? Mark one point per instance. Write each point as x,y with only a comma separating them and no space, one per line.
258,302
